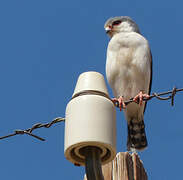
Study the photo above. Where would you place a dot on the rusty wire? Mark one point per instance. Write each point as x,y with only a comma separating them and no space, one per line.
36,126
159,96
60,119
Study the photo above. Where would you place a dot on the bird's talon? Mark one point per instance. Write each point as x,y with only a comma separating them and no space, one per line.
120,102
140,97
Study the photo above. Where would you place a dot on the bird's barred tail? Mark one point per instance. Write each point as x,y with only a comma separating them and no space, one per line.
136,135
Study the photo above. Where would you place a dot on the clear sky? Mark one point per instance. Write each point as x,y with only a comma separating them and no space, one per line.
45,45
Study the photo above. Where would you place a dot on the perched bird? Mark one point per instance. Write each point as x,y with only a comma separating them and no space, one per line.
129,73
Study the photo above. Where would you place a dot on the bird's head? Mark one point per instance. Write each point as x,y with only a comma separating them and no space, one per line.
120,24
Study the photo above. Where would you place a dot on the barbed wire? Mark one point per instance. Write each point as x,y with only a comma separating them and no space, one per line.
35,126
61,119
158,96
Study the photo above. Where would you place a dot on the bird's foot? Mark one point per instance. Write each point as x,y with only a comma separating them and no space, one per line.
140,97
120,102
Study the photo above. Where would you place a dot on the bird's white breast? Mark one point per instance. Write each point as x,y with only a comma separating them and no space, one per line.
128,64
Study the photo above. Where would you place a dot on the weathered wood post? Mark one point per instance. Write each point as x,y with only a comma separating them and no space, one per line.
125,166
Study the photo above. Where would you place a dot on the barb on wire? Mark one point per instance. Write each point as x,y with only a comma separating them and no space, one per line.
158,96
59,119
36,126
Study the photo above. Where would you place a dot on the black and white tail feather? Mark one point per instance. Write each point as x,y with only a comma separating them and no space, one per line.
136,135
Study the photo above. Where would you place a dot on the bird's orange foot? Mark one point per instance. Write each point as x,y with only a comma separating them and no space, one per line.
140,97
120,102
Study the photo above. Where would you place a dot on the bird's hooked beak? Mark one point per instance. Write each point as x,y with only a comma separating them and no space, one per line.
108,29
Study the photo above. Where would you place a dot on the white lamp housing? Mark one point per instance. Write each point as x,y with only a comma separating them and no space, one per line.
90,120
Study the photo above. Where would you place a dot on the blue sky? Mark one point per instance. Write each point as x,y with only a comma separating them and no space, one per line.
45,45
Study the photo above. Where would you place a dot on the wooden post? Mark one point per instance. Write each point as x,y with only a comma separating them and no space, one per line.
125,166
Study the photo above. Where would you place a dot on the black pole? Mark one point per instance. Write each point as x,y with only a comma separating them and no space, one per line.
92,163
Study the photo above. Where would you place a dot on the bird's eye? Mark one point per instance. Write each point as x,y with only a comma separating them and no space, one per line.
116,23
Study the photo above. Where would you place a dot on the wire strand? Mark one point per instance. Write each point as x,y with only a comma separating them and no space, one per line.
61,119
36,126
